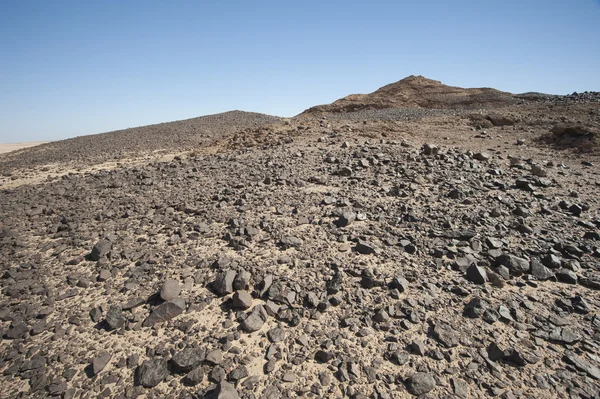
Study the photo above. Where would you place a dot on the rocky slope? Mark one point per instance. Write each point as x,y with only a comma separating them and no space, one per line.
171,136
326,267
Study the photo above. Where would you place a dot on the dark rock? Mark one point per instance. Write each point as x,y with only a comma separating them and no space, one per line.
420,383
115,318
188,359
346,219
252,323
365,247
100,250
276,334
539,271
566,276
223,284
17,331
515,265
399,283
225,390
477,274
582,365
194,377
163,312
242,300
151,373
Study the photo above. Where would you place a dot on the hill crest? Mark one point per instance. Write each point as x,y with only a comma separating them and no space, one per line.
418,92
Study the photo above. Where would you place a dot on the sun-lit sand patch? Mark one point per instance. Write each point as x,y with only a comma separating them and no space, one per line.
17,146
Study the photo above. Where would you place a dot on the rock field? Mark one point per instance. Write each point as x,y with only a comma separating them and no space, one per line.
328,256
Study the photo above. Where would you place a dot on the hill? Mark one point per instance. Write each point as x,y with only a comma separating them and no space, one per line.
178,135
418,92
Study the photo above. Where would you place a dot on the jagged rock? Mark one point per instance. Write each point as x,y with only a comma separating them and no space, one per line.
115,318
252,323
187,359
242,300
223,284
515,265
225,390
446,335
477,274
151,372
194,377
582,365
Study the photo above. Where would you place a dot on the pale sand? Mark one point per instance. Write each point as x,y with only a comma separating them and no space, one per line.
17,146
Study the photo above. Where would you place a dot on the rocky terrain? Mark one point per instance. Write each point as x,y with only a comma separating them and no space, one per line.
384,253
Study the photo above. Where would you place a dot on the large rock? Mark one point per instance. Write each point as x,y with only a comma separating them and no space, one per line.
115,318
223,284
446,335
151,373
420,383
515,265
252,323
477,274
100,250
187,359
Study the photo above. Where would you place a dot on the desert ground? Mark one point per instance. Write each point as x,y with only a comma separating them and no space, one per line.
418,241
18,146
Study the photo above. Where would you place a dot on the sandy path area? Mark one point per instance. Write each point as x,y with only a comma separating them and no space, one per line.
17,146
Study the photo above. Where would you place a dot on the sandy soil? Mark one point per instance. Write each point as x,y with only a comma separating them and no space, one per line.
17,146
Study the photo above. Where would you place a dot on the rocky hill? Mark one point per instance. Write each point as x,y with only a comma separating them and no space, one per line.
418,92
171,136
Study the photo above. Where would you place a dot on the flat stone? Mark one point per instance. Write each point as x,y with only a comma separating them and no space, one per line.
163,312
100,362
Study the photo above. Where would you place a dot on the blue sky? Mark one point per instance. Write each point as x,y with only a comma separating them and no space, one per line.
70,68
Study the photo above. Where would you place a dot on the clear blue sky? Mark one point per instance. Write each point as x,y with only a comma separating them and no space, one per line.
70,68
